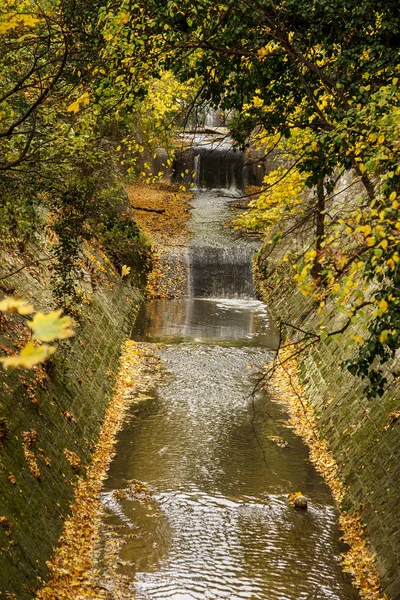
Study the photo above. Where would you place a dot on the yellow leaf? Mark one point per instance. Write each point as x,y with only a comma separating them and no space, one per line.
29,356
381,139
262,52
51,326
367,230
384,243
390,263
383,305
383,337
29,20
358,339
372,137
75,106
362,168
16,305
314,146
125,270
392,196
84,99
15,21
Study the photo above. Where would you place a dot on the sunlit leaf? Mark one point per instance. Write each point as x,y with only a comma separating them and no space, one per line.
383,336
76,106
383,305
29,356
51,326
125,270
16,305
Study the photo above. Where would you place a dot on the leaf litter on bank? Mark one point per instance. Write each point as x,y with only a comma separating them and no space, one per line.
359,561
72,575
168,228
168,234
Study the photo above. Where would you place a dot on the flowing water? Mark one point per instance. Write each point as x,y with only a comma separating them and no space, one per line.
213,464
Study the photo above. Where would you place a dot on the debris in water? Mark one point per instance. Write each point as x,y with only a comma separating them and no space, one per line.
298,500
280,442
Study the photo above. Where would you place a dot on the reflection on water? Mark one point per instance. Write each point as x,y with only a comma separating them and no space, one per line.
234,322
216,523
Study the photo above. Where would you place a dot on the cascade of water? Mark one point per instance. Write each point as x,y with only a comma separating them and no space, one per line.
196,169
221,272
213,118
219,261
216,164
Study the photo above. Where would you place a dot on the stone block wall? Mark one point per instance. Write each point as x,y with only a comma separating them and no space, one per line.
46,416
364,441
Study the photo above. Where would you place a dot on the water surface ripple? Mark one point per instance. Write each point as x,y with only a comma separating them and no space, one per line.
218,524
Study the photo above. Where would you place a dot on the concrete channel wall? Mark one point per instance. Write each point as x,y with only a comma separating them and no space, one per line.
364,440
48,415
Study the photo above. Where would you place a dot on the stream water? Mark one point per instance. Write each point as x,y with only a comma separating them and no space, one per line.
211,518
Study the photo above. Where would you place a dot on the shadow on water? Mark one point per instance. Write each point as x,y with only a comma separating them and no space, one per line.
210,517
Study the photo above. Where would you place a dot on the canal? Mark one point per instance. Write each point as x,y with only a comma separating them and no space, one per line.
196,499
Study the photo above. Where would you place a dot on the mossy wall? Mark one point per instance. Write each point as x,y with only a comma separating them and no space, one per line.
45,412
364,440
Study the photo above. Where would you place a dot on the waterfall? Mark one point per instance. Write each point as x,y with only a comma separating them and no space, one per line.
213,118
220,273
215,164
196,168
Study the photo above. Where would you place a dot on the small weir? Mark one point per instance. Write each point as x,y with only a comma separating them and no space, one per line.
210,517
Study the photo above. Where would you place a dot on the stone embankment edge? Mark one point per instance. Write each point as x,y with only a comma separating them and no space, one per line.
358,560
71,575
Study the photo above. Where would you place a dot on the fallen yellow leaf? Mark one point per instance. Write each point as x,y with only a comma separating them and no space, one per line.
125,270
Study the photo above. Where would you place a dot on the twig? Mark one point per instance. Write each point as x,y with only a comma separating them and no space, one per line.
160,211
35,262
